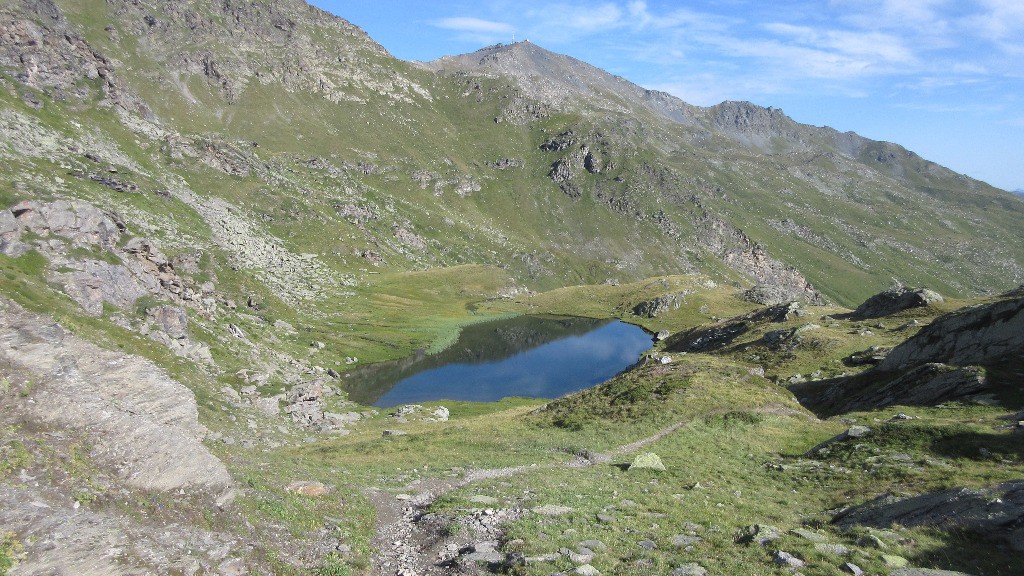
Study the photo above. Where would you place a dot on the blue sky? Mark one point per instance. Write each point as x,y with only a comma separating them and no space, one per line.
945,78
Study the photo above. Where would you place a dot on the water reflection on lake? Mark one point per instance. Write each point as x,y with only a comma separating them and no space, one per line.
533,356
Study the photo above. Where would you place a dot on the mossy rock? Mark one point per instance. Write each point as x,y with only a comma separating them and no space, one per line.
648,460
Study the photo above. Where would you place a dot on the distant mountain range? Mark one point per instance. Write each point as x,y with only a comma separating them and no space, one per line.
512,156
212,212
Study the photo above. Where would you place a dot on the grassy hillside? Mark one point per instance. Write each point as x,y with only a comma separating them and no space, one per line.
259,199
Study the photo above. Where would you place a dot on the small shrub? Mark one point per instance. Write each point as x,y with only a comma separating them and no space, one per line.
10,549
332,565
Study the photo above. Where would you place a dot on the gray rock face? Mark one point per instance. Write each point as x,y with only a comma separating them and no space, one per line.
924,385
143,424
973,335
119,277
78,221
170,319
938,364
895,299
657,306
777,279
62,539
996,512
96,282
768,294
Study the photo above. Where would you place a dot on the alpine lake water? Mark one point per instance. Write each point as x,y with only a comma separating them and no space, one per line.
528,356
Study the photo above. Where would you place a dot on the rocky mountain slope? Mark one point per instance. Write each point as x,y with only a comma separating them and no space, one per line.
212,212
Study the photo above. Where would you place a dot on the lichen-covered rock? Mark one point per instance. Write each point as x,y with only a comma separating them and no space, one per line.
647,460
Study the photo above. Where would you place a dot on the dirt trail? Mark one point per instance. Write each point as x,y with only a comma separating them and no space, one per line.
411,544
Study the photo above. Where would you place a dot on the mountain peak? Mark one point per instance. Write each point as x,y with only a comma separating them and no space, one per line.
565,82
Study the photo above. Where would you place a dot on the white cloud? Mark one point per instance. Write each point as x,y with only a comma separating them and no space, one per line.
709,89
469,24
1000,22
799,61
600,17
869,45
1001,18
893,14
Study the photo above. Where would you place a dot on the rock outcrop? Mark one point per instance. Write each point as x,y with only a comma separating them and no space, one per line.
65,538
721,334
996,512
778,281
661,305
894,300
107,273
925,385
974,335
144,425
945,361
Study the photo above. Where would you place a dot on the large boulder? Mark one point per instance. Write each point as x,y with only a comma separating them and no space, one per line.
894,300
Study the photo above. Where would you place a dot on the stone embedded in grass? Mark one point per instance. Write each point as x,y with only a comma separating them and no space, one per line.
306,488
759,533
858,431
808,535
480,499
585,551
851,568
648,460
586,570
593,544
647,545
787,560
552,510
871,541
682,540
485,551
835,549
605,519
543,558
415,412
577,558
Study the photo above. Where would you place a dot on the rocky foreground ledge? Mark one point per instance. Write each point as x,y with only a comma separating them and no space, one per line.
132,435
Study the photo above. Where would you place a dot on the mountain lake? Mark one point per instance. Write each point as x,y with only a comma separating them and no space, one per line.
528,356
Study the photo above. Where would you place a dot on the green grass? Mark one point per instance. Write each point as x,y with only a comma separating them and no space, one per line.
10,548
596,256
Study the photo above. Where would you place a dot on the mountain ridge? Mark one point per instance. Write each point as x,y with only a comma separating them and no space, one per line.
213,212
715,165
